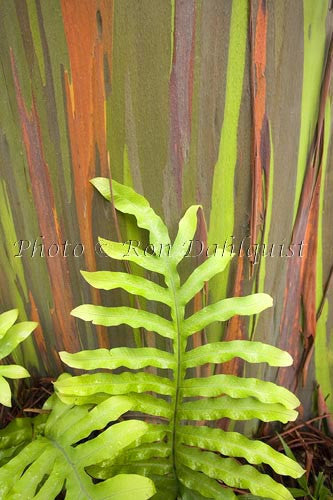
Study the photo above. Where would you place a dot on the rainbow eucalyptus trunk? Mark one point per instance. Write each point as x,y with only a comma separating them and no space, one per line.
222,103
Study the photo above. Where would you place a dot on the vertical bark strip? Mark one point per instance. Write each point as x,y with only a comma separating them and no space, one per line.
181,91
88,28
260,165
48,221
221,221
323,342
314,14
301,275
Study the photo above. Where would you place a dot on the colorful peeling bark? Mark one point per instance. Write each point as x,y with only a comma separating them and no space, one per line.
89,47
225,104
49,225
260,158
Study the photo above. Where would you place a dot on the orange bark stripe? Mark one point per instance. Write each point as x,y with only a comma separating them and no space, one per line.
258,83
88,28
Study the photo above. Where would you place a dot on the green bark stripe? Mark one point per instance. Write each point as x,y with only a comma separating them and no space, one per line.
221,223
323,349
319,263
33,21
324,356
59,62
314,52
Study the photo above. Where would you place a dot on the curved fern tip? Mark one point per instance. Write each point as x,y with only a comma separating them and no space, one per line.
264,301
102,241
24,372
289,359
268,299
85,275
95,180
77,312
63,355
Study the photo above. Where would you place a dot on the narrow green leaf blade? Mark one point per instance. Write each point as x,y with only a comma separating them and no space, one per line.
235,409
114,316
208,269
13,371
136,285
15,335
107,383
154,433
58,411
7,319
130,251
151,405
94,399
302,481
205,485
96,419
5,393
126,200
125,487
146,451
144,446
109,443
161,467
16,432
237,387
225,309
27,484
133,358
103,186
53,484
11,472
252,352
186,231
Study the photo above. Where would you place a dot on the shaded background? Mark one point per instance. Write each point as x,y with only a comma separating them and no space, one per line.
223,103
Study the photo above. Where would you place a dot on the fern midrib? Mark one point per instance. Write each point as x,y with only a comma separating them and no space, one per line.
72,465
177,346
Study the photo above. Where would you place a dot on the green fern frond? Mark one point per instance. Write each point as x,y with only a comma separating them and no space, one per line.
11,335
56,459
187,457
17,434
